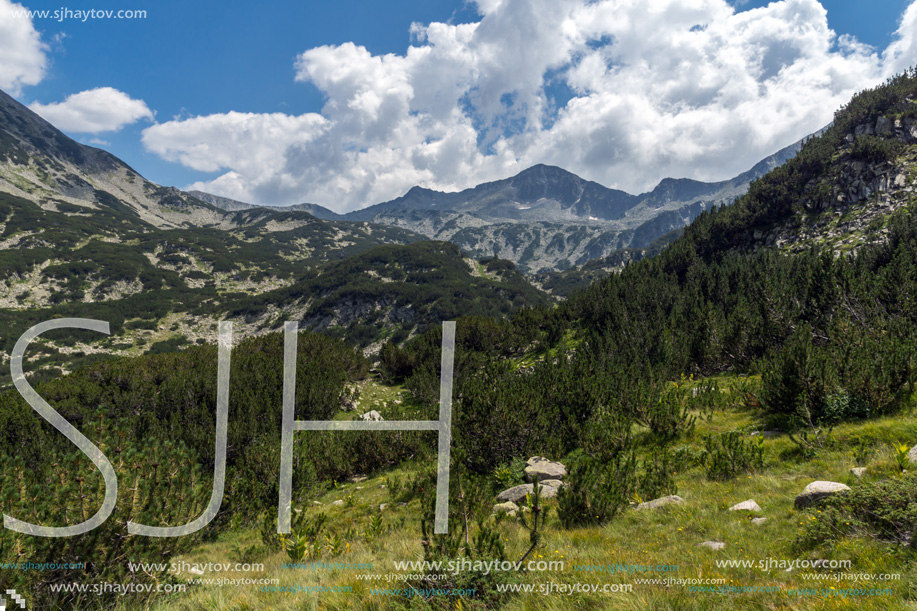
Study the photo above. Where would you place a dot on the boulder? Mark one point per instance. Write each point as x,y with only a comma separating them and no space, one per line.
508,508
712,544
372,416
661,502
539,467
817,491
517,493
748,505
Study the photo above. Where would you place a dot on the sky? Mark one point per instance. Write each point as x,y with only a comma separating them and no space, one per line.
352,102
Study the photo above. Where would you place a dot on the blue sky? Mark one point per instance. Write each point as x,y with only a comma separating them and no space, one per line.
291,101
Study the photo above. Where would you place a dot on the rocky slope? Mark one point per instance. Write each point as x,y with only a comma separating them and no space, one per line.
83,235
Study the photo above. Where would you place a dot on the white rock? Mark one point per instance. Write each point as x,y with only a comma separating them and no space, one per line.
661,502
372,416
712,544
817,491
758,520
508,508
748,505
858,472
542,469
338,502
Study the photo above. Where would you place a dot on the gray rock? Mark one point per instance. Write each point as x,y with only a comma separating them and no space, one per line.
712,544
356,479
372,416
766,434
858,472
517,493
817,491
508,508
748,505
758,520
662,501
543,469
338,502
884,126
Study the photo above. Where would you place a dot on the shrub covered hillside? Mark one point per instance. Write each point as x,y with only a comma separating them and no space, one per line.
390,292
154,417
825,339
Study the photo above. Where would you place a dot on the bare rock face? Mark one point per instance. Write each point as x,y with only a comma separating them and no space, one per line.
540,468
817,491
748,505
661,502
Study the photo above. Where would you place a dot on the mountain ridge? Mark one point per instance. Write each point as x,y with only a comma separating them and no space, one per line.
547,219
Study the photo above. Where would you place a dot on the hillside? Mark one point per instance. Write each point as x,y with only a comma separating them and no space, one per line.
83,235
391,292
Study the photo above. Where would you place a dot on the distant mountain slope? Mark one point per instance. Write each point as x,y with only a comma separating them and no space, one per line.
391,291
42,165
231,205
540,193
545,218
83,235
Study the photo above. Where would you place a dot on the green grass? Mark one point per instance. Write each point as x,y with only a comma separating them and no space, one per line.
667,536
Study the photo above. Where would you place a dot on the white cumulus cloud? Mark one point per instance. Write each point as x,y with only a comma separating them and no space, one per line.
96,110
624,92
22,53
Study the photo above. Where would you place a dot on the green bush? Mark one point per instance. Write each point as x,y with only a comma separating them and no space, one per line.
596,489
844,406
884,510
873,149
727,455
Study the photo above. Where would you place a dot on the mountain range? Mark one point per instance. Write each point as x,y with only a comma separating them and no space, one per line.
545,218
82,234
